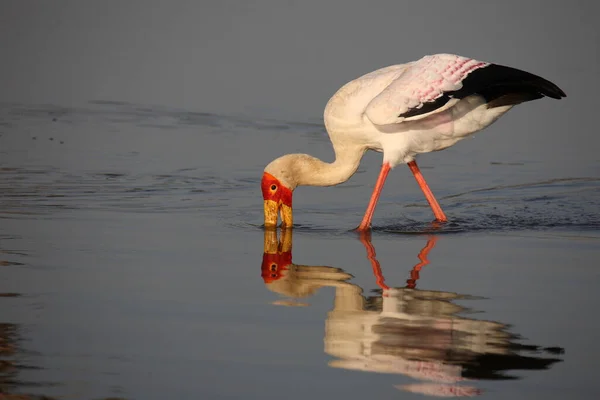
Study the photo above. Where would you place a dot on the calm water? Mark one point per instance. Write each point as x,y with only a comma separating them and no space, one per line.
133,265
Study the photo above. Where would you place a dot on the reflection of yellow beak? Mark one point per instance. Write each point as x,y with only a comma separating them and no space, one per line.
272,208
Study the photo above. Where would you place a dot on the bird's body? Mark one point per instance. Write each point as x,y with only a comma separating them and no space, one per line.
365,111
403,110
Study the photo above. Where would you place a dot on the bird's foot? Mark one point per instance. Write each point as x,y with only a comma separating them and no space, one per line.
362,229
364,235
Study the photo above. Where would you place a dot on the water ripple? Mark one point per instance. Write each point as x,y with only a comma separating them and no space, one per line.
134,171
37,192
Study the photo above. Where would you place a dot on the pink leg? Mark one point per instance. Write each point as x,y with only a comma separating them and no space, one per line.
366,221
435,206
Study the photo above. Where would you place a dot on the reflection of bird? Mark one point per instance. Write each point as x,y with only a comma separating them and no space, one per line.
422,334
402,110
292,280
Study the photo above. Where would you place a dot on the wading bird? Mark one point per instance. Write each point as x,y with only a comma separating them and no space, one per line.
402,110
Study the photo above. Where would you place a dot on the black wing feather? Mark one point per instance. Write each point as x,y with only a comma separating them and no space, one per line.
498,85
429,106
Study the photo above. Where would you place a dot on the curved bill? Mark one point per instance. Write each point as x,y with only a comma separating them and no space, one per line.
272,209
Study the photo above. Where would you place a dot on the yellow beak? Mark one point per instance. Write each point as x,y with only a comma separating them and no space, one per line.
272,208
286,216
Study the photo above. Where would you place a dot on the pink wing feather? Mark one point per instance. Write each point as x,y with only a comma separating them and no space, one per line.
423,81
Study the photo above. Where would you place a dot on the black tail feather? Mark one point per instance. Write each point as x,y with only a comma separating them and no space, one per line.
496,81
512,99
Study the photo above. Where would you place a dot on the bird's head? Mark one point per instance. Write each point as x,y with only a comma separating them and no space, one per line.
277,186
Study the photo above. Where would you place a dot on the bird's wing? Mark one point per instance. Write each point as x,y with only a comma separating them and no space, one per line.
422,88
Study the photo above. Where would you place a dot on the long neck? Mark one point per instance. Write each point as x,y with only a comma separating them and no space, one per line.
314,172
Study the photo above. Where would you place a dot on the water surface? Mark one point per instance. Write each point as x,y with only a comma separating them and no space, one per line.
133,265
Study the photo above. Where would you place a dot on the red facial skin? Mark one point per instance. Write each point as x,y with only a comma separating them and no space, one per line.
273,265
272,189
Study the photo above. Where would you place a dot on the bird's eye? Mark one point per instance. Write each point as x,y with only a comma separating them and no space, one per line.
273,187
273,275
273,267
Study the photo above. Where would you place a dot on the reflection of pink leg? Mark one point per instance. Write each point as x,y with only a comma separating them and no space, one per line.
365,238
414,274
